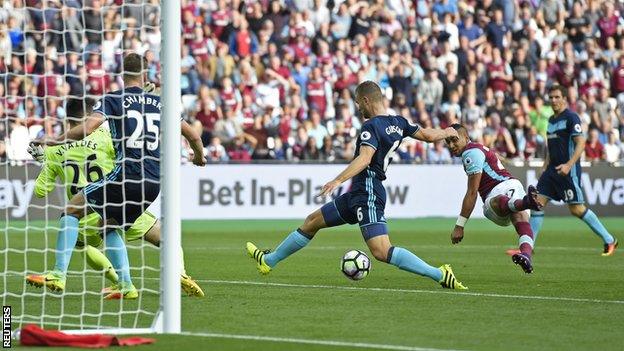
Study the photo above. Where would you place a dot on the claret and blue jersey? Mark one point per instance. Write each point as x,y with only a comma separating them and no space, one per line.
477,158
365,203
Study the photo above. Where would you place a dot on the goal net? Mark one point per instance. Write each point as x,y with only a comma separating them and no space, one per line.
51,51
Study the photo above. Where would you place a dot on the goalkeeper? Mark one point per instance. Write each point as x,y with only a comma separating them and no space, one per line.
78,164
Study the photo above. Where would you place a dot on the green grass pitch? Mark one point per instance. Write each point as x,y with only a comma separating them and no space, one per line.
573,301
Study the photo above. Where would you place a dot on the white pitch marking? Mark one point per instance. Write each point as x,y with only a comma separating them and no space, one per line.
314,342
427,247
417,291
414,291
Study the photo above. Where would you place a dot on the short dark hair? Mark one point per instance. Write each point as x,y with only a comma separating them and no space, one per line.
76,109
460,128
560,88
457,126
133,66
369,89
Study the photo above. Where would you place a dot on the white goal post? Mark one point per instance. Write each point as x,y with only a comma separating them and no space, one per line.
170,167
29,225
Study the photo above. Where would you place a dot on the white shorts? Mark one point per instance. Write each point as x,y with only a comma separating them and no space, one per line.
513,189
154,207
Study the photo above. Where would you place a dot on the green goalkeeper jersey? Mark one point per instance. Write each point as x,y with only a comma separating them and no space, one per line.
77,164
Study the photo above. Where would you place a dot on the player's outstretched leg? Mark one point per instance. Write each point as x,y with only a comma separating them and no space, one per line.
98,261
448,280
405,260
523,258
258,255
295,241
589,217
90,239
536,221
189,286
65,243
118,255
266,260
149,229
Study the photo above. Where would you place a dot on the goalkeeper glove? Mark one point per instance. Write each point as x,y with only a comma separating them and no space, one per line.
36,151
149,87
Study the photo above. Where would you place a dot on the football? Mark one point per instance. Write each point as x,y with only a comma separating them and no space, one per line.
355,265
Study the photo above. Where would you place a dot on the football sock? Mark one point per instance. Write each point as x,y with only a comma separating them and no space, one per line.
116,252
65,242
293,243
508,205
407,261
98,261
182,261
536,221
594,223
525,237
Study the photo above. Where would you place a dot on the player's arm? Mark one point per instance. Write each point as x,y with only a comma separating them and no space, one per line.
355,167
468,205
576,131
79,132
195,142
564,169
431,135
473,161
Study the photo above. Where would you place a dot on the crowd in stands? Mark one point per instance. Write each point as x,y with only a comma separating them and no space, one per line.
275,80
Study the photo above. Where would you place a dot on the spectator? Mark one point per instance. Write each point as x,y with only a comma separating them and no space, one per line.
497,32
317,131
551,13
99,79
430,90
594,150
341,22
311,151
220,18
318,92
539,116
229,96
471,31
277,15
618,80
499,72
578,26
439,154
442,7
328,152
602,110
228,128
201,48
208,115
613,151
215,152
608,23
498,137
243,43
259,135
297,67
